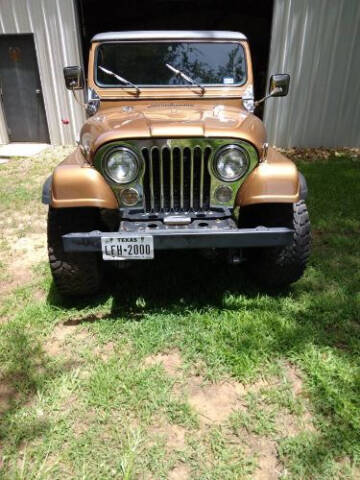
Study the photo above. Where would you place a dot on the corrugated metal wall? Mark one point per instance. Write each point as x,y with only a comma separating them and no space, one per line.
318,43
54,25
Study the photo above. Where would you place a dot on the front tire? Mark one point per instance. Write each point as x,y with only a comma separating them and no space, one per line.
278,267
74,273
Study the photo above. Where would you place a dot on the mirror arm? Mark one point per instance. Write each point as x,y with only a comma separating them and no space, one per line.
87,106
273,92
83,105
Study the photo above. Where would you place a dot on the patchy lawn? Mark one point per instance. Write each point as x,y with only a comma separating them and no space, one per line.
181,369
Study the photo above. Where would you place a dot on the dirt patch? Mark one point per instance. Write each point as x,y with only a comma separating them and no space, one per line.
305,422
31,249
59,341
268,465
214,402
294,376
180,472
311,154
173,435
105,351
262,383
22,255
171,361
289,425
8,395
84,421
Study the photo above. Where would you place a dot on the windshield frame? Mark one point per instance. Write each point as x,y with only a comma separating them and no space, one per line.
157,86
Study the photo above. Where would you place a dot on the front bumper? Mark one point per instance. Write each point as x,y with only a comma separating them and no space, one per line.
199,234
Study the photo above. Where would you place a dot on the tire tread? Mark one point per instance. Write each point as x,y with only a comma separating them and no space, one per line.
280,266
74,274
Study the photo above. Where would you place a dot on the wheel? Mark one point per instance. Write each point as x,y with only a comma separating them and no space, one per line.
277,267
74,273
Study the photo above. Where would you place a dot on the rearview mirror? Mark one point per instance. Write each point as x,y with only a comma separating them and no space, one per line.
279,85
74,78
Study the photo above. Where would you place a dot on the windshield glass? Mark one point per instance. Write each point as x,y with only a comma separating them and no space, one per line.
144,64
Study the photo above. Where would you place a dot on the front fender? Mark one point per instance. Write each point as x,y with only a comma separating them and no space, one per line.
276,180
75,183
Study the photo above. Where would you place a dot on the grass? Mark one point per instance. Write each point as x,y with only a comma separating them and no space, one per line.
134,383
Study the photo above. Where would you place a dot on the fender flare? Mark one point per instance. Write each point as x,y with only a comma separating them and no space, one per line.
46,191
303,187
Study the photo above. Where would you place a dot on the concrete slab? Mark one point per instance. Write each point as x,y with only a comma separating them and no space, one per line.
22,149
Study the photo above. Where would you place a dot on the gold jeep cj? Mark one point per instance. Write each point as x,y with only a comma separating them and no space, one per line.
172,157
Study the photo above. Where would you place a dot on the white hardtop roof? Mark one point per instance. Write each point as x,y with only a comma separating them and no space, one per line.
169,35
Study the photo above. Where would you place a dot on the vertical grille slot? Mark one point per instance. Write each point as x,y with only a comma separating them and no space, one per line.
155,156
146,186
197,170
176,179
207,179
187,153
166,184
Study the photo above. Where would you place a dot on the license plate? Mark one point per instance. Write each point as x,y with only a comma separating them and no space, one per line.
128,247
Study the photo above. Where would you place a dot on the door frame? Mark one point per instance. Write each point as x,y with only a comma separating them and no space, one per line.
4,136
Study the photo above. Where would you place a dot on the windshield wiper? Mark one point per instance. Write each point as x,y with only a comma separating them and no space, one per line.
121,79
188,79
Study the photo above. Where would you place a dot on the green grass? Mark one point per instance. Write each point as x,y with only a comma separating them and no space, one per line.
72,407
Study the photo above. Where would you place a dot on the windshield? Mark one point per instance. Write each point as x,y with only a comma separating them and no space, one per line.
207,63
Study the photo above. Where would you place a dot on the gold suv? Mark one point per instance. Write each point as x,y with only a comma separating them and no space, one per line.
172,157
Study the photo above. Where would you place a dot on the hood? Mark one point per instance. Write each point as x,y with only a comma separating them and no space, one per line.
171,120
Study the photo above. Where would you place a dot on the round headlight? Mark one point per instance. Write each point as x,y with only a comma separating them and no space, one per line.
231,163
121,165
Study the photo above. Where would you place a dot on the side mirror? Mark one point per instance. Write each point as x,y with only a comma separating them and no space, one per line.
74,78
279,85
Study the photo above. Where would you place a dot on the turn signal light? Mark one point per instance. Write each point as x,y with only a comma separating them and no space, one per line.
129,197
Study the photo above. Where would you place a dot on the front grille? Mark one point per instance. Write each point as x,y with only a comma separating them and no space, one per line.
176,179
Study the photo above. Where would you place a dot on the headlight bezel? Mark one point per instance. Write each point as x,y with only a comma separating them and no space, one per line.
220,152
106,158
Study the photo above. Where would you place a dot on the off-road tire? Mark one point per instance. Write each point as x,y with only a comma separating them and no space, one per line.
278,267
74,273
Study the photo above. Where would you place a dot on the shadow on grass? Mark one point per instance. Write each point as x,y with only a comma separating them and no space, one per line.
26,372
171,283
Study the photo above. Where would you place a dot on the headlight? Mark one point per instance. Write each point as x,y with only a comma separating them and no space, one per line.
121,165
231,163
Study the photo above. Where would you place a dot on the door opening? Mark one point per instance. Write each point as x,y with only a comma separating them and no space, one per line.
20,89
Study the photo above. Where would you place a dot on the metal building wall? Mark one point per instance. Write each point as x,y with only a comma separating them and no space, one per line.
54,25
318,43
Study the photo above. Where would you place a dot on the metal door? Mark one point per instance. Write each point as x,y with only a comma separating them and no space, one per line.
21,92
